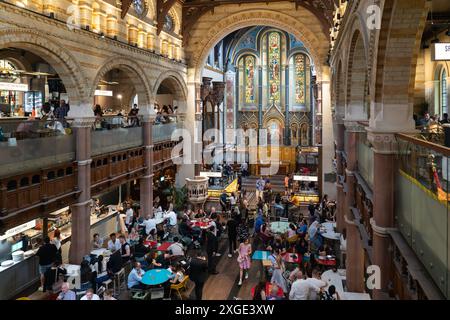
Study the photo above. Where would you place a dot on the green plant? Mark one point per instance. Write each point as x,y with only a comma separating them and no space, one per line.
179,197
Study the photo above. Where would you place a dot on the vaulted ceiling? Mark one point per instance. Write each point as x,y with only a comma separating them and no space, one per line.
194,9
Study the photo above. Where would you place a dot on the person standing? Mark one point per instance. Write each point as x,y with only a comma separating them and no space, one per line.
244,260
198,274
232,235
47,255
129,217
125,249
211,249
260,184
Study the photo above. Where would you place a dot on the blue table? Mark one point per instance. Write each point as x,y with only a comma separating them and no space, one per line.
154,277
261,255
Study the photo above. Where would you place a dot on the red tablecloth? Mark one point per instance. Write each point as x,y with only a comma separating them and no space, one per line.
150,244
288,257
268,288
164,246
201,224
326,262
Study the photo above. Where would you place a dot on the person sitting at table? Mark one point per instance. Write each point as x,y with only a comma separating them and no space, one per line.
277,270
66,293
97,242
212,214
150,261
164,259
325,250
265,234
277,244
176,248
292,231
178,271
301,247
171,218
108,295
114,264
140,250
303,228
184,228
125,249
133,236
260,291
135,277
273,294
149,223
86,275
113,243
331,294
90,295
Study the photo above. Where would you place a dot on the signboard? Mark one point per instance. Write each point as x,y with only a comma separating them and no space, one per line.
306,178
23,227
13,86
208,174
103,93
440,52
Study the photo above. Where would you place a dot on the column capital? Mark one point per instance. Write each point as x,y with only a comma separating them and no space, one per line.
353,126
81,116
198,116
148,113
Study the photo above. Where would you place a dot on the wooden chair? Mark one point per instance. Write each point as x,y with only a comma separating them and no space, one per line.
179,287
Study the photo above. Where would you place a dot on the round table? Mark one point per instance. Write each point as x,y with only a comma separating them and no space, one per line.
279,227
154,277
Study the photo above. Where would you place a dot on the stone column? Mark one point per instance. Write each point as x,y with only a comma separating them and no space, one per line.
340,223
146,182
287,136
80,244
383,206
355,258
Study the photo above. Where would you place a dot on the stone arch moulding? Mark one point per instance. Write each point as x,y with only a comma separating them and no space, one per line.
248,18
180,85
137,77
66,66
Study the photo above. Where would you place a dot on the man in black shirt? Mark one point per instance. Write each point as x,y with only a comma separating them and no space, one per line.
232,235
47,255
164,260
212,245
198,274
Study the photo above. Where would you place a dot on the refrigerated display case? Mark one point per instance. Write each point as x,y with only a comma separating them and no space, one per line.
33,99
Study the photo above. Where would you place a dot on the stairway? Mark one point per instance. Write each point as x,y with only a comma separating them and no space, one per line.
277,183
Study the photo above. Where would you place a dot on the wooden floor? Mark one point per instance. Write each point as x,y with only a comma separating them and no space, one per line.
224,286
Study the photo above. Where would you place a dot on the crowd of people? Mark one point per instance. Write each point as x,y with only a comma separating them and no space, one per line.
194,237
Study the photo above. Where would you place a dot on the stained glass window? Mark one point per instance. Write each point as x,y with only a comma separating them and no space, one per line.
444,91
274,70
300,83
249,80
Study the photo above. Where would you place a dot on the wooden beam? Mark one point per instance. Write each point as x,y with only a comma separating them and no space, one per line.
126,4
162,9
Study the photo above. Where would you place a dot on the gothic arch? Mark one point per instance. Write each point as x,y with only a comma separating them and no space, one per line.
54,53
357,79
176,82
317,44
135,73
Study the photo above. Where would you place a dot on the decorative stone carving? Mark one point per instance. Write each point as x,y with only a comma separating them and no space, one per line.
197,191
384,143
354,126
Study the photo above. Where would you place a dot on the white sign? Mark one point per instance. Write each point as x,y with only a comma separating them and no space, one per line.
306,178
13,86
441,52
103,93
23,227
211,174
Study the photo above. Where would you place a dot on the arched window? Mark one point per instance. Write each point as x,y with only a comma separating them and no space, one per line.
444,107
274,67
300,78
249,79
